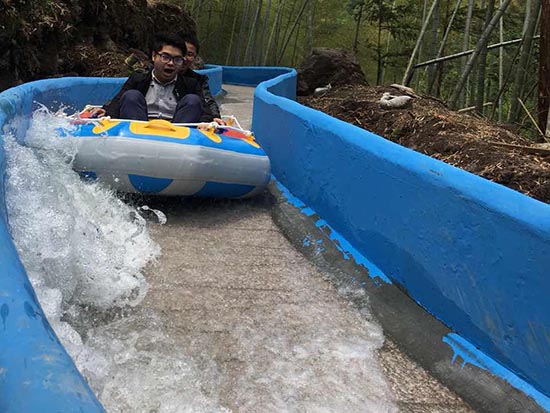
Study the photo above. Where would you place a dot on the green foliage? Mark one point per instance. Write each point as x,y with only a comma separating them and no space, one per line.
383,31
355,7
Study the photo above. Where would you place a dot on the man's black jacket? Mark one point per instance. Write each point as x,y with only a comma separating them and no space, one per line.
207,94
141,81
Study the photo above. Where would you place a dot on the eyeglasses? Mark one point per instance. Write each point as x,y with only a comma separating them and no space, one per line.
165,58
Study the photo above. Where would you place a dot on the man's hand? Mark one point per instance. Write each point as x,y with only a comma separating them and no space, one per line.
204,126
97,113
211,125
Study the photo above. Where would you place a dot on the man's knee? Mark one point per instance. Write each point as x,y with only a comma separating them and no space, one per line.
132,96
133,105
191,100
189,109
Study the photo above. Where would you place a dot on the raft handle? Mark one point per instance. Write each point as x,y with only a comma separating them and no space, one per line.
160,124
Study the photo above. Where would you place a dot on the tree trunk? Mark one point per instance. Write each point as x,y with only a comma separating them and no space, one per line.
481,42
207,35
532,8
547,132
482,63
357,24
472,79
271,49
227,59
298,17
509,75
221,29
388,41
444,40
194,7
466,46
262,49
498,101
293,61
433,46
410,71
287,28
424,11
242,31
253,36
309,32
379,45
544,66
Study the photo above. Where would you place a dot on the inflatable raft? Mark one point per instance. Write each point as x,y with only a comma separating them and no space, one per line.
158,157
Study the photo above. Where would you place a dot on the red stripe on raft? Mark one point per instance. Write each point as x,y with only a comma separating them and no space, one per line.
230,133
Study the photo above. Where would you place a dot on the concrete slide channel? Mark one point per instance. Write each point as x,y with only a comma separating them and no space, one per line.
276,297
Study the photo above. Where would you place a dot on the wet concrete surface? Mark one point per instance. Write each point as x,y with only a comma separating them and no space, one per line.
271,332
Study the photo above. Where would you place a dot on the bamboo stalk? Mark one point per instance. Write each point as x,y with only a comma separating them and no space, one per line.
528,149
410,70
467,52
480,44
533,120
471,108
444,40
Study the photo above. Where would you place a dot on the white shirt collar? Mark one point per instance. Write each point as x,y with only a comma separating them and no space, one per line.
163,84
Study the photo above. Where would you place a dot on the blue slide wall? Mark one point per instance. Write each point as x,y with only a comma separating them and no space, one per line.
472,252
37,374
215,77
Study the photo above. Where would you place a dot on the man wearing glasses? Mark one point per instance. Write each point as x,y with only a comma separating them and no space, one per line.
160,93
192,45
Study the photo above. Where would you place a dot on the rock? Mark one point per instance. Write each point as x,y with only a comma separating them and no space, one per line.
322,91
389,101
328,66
404,89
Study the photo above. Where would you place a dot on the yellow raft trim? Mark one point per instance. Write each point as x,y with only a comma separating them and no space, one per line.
104,126
250,140
210,134
159,127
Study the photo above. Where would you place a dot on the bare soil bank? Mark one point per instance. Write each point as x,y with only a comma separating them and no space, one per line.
429,127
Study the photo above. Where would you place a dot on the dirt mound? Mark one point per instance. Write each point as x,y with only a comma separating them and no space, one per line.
429,127
54,38
325,66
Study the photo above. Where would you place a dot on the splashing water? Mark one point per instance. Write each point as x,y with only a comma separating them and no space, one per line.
72,235
148,376
84,251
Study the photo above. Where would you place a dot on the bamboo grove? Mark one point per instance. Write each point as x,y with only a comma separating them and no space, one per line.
476,55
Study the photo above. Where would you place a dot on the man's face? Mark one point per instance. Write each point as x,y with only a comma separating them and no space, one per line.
167,62
190,55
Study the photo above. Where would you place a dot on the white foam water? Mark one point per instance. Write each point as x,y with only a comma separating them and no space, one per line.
74,236
328,364
84,251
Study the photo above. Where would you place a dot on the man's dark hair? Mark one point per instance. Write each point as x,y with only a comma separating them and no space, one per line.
166,39
191,38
